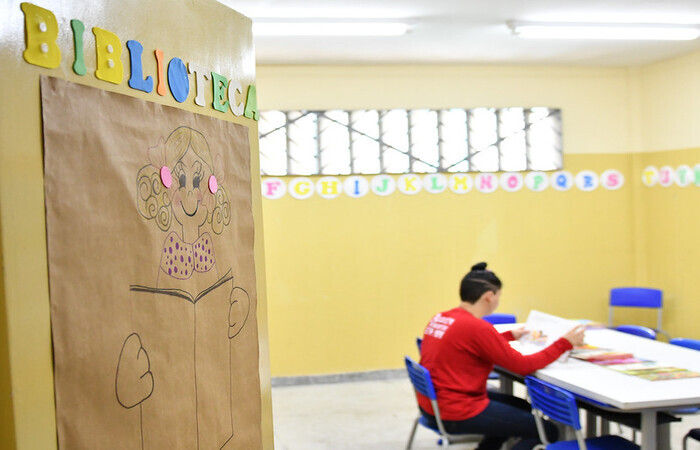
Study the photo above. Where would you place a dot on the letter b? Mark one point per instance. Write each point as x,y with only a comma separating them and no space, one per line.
40,31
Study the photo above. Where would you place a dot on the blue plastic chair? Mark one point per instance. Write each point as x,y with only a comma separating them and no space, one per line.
687,343
423,384
692,344
637,297
694,433
560,405
498,318
637,330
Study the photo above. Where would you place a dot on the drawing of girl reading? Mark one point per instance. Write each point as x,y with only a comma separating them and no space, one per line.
177,367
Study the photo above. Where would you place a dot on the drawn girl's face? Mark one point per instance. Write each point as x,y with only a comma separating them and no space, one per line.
190,176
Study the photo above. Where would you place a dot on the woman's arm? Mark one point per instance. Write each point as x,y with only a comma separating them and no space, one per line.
500,353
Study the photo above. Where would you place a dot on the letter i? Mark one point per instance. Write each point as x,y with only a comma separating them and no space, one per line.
160,88
79,62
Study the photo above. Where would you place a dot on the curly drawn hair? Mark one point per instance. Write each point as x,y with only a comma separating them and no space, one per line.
154,199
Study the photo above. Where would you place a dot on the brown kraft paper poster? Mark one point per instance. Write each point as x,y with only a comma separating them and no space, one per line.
151,274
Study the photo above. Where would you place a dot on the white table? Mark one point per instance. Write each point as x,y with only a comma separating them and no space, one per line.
626,392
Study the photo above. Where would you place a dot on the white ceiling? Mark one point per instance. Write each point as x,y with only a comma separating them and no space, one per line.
469,31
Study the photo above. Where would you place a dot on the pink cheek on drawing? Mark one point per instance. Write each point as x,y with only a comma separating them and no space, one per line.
177,198
166,177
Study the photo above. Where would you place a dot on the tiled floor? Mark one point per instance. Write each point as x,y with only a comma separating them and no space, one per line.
370,415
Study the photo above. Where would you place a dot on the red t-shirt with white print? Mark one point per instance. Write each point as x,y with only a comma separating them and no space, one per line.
460,351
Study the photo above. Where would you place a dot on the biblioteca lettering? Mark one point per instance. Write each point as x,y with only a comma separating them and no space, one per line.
41,33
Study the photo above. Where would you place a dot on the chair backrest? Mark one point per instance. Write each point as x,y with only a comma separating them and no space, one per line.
637,330
420,378
419,344
554,402
497,318
688,343
636,297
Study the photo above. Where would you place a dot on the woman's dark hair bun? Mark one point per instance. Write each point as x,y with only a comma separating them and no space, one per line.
479,266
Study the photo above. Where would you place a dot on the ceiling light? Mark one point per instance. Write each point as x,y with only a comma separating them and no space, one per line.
329,28
629,31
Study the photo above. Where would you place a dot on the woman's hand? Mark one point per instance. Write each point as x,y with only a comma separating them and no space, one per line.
519,332
575,335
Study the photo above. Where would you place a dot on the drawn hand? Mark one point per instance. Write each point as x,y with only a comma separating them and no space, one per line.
239,308
134,381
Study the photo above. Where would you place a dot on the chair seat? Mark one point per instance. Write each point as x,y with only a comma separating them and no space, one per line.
694,433
452,438
428,424
599,443
693,410
631,420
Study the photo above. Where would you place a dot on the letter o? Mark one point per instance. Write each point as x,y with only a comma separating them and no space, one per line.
178,80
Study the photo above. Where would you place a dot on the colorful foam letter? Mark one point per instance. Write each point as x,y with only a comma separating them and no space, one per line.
683,175
383,185
219,84
328,187
108,48
301,188
650,176
666,176
160,87
200,76
587,180
79,63
40,33
251,104
612,179
536,181
435,183
273,188
511,181
236,108
460,183
178,80
486,183
410,184
562,180
136,80
356,186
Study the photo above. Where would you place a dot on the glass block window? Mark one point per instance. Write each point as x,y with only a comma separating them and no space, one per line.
340,142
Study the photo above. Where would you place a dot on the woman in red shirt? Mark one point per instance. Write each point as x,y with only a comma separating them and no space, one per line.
460,349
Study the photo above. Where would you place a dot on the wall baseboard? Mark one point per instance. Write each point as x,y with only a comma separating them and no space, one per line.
388,374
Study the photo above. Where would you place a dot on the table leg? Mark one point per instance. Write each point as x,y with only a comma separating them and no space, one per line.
591,425
649,430
663,436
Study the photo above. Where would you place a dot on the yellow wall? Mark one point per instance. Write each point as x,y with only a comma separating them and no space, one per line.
669,94
672,221
353,281
595,101
670,104
204,32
